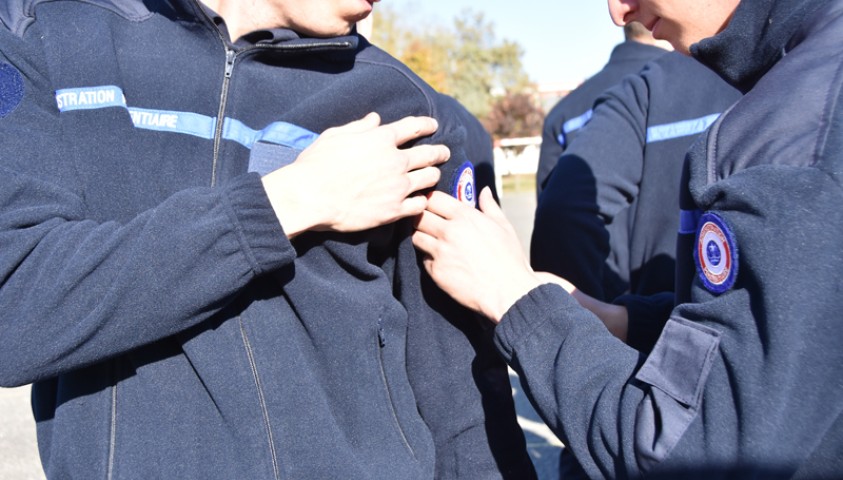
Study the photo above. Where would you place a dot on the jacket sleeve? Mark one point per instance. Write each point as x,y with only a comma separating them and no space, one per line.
478,147
460,382
74,291
779,322
579,217
551,147
577,376
703,396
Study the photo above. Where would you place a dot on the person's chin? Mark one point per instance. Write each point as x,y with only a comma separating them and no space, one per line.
656,29
366,6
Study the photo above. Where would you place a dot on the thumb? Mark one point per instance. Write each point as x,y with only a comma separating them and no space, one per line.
490,207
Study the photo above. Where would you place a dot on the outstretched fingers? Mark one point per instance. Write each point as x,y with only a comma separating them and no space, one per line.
426,238
409,128
422,156
412,206
430,223
444,205
370,121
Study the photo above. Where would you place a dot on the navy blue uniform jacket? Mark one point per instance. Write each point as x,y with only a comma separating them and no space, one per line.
170,328
563,122
607,218
745,379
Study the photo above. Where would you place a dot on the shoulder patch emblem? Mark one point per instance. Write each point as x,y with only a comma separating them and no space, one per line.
463,185
716,254
11,89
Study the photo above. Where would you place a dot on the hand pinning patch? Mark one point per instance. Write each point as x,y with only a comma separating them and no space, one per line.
716,254
462,187
11,89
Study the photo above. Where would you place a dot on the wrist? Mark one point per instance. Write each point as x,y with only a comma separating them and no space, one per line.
617,321
614,317
511,291
291,201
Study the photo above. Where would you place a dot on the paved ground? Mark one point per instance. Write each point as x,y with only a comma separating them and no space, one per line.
544,447
19,455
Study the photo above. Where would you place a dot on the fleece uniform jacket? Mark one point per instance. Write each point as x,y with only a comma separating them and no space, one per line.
478,148
170,328
608,216
745,379
564,121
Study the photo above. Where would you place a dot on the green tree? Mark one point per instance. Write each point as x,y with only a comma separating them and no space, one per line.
464,60
514,115
481,67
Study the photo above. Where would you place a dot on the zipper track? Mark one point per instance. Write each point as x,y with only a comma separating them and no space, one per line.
380,346
230,57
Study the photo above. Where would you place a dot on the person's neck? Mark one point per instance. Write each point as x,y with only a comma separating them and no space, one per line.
240,20
648,40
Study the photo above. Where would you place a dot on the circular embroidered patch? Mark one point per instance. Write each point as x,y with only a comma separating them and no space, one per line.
463,186
716,254
11,89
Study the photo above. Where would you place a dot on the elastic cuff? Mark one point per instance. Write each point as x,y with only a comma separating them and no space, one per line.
260,234
543,304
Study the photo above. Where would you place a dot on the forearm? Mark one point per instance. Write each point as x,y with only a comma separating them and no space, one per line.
578,376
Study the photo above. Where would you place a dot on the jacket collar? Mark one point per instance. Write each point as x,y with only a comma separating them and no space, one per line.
758,36
283,38
632,50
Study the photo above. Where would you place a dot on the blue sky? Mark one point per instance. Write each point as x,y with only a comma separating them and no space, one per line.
563,41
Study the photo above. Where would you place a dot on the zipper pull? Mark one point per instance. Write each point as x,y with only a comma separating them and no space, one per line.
381,334
229,62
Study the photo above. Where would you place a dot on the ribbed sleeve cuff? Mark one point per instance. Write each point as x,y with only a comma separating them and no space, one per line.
546,307
647,317
261,235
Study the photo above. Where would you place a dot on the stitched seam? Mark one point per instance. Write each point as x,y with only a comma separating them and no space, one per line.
415,83
22,25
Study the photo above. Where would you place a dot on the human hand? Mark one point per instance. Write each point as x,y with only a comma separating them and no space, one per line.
354,177
474,256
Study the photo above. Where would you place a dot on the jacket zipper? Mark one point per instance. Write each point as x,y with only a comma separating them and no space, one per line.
230,56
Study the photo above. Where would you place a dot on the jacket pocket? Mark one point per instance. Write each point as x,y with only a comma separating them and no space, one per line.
247,345
676,371
390,397
266,157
